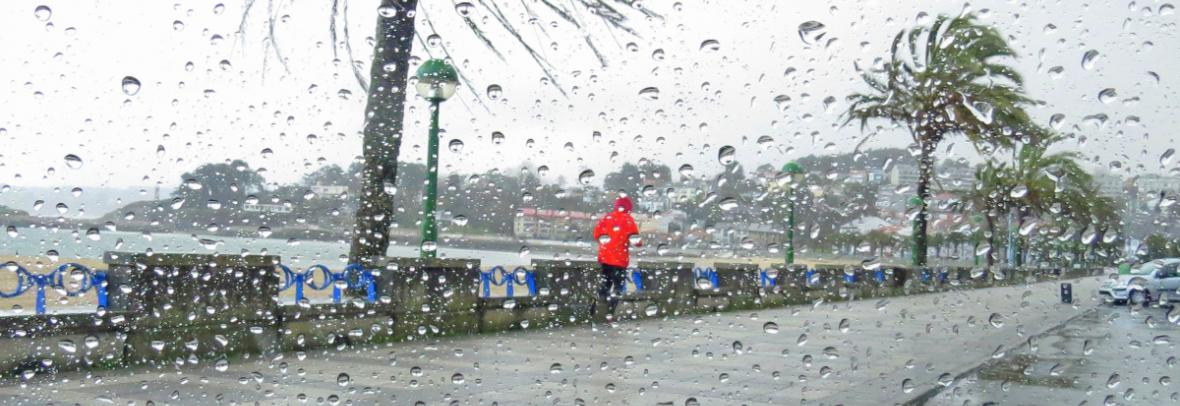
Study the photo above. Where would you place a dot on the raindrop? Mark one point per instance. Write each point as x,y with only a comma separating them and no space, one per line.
996,320
770,328
67,346
457,379
73,161
1108,95
495,91
686,170
1019,191
1089,59
650,93
728,204
1056,120
42,13
726,155
464,9
812,32
178,25
783,102
130,85
343,379
658,54
1166,157
586,177
456,145
710,45
497,137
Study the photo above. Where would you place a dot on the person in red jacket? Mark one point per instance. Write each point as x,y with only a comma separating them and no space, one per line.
614,234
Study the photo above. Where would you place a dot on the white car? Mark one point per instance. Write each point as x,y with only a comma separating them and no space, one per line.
1157,280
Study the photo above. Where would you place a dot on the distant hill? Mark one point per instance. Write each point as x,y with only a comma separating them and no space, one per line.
8,212
90,203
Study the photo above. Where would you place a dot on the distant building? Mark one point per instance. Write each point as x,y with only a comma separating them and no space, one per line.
1109,184
559,225
329,190
903,174
267,208
1152,184
955,177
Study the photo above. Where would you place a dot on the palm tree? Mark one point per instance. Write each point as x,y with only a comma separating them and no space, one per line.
942,81
390,69
1051,187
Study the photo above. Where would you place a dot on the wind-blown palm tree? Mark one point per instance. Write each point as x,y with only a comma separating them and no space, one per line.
941,81
390,69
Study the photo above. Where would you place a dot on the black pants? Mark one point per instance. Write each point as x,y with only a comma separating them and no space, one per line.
611,287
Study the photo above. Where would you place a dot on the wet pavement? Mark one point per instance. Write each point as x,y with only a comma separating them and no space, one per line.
868,352
1113,355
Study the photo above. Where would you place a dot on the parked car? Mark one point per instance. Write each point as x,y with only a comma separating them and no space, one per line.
1155,280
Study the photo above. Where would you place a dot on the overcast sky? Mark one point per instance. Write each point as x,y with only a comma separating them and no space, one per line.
62,91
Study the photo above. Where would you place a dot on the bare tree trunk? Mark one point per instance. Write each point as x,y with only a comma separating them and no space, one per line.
384,113
991,241
925,171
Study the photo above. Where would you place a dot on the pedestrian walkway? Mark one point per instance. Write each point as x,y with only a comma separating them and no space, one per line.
868,352
1113,355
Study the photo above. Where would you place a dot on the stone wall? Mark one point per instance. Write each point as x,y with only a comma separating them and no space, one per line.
180,308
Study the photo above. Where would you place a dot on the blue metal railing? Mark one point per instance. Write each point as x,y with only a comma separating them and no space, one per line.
353,276
635,277
768,278
708,274
84,279
510,280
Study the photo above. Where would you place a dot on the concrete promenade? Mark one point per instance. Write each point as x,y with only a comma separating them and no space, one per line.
1115,356
868,352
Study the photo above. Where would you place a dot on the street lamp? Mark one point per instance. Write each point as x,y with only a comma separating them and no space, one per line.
918,242
437,81
794,174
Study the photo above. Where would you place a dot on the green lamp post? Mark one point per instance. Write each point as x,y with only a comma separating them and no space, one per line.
794,176
918,243
437,81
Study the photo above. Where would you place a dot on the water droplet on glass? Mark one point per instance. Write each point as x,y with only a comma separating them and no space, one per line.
726,155
586,177
43,13
710,45
996,320
456,145
812,32
783,102
650,93
73,161
1108,95
770,328
728,204
495,91
686,170
343,379
1089,59
457,379
464,8
130,85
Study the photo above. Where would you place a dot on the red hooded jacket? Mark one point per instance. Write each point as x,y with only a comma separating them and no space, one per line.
617,227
